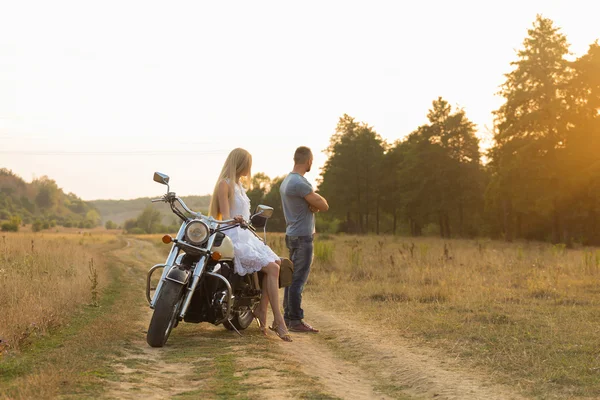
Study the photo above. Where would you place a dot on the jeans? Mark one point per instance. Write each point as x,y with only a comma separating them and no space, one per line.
301,254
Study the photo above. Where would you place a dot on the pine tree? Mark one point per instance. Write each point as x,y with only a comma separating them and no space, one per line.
350,175
531,129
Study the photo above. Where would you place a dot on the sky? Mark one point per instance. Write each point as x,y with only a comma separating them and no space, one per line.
99,95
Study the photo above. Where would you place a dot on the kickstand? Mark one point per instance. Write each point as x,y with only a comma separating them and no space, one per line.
234,328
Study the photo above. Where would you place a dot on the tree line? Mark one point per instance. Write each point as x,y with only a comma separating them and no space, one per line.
540,179
42,204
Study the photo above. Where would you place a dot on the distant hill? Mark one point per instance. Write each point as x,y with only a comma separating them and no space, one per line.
42,203
118,211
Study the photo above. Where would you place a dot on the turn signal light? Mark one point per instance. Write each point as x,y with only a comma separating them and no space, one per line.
167,239
216,256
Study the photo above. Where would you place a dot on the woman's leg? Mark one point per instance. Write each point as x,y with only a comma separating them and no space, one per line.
271,287
261,310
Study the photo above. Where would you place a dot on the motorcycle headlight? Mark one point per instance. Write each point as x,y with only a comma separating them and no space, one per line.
196,232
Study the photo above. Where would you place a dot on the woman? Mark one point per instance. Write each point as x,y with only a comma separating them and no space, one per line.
251,254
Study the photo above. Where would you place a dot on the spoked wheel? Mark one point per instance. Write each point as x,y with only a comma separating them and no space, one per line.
164,318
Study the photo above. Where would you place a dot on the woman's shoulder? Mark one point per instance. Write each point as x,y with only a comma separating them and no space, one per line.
226,184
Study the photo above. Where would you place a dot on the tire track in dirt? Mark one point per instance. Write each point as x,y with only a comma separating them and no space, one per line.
379,355
341,378
144,373
141,371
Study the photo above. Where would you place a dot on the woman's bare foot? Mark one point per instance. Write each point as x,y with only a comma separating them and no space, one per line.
281,331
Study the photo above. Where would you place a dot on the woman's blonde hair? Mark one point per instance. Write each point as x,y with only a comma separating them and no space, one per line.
238,162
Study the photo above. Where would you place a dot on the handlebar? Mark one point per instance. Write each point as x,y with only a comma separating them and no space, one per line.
172,197
186,208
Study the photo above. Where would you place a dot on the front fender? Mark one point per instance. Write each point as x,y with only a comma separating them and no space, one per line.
178,275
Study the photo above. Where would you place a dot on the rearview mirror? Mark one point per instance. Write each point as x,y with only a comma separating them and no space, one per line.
264,211
261,215
161,178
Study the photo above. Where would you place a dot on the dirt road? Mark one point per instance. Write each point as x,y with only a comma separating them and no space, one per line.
347,360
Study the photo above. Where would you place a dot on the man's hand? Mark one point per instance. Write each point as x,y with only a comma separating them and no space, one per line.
316,202
313,209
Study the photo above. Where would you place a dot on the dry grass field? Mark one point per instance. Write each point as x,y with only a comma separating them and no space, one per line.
527,312
44,278
524,314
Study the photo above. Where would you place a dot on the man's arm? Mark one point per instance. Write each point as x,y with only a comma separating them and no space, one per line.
316,201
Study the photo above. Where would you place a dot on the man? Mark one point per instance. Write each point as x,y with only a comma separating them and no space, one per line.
300,202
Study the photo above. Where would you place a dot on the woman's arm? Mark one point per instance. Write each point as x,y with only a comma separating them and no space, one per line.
223,193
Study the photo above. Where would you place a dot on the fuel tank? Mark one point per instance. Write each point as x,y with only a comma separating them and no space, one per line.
223,245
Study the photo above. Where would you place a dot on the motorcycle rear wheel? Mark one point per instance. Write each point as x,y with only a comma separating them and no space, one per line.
165,313
239,320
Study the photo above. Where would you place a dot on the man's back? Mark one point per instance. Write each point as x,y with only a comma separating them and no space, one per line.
300,221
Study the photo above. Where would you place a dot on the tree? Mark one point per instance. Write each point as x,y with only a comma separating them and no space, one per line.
93,217
37,225
273,199
47,196
392,195
350,175
436,174
579,165
9,227
531,128
130,224
149,220
110,225
261,184
12,225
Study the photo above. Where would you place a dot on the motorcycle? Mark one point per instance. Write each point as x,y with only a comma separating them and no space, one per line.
198,282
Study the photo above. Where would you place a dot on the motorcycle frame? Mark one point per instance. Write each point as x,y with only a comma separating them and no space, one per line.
197,273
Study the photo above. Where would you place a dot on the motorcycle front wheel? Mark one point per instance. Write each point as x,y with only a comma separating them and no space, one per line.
165,313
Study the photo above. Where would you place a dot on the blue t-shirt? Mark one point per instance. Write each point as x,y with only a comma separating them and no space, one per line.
300,221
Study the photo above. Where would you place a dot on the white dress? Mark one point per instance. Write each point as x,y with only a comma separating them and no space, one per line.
250,253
